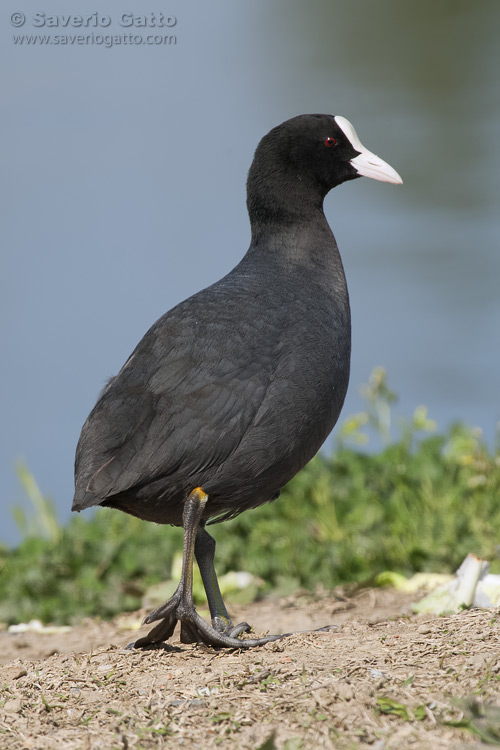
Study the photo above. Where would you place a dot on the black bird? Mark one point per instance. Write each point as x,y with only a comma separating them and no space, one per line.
234,390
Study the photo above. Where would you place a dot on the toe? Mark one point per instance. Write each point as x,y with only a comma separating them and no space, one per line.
161,632
242,627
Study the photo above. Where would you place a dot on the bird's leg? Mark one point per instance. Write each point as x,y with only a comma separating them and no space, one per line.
204,550
170,611
181,606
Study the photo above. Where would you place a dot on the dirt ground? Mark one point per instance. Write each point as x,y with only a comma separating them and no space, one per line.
385,679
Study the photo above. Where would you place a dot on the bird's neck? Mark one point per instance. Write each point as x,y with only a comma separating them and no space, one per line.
281,199
288,224
285,209
297,231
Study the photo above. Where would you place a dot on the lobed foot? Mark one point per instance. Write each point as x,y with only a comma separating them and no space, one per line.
195,630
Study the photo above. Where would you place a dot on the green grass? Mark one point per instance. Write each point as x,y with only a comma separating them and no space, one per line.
421,502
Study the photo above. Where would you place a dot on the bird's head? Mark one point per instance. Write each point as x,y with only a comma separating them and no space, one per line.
316,153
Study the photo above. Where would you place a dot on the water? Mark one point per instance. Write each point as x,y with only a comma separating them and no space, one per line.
124,193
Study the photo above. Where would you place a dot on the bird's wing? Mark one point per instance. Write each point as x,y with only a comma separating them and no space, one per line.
185,398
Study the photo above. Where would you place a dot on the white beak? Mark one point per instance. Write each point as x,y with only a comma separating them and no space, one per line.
366,163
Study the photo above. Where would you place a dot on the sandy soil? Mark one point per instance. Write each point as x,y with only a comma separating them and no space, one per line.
386,680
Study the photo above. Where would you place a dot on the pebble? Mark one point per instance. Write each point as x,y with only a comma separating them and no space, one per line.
424,629
105,667
13,705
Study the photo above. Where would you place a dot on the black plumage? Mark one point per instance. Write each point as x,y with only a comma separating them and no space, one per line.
235,389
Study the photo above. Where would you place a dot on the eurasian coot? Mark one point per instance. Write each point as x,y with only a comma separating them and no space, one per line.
231,392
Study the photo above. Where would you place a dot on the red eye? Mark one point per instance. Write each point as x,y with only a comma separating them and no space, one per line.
330,142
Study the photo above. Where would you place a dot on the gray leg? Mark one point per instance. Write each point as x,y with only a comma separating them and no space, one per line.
204,550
